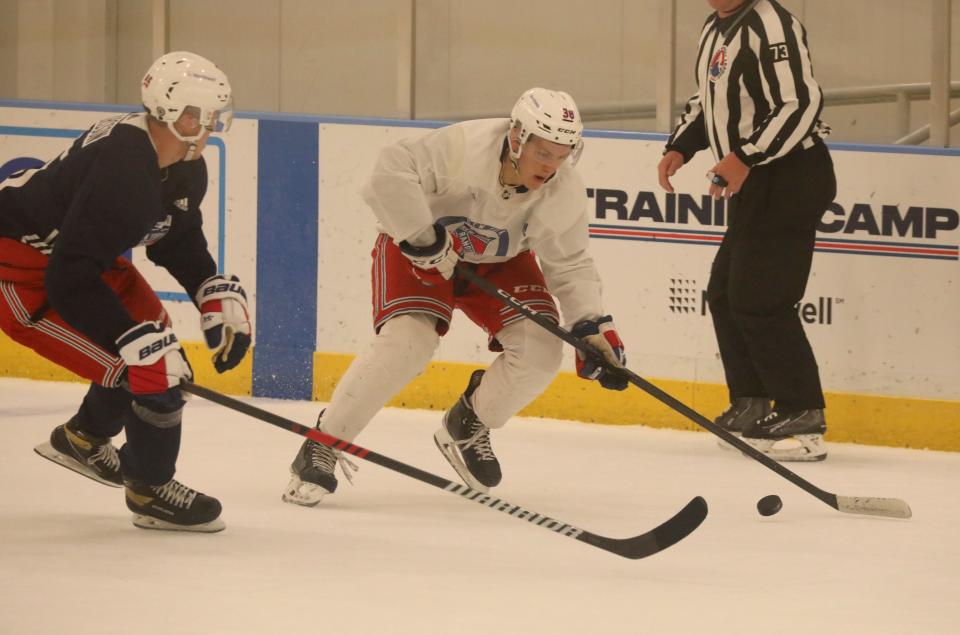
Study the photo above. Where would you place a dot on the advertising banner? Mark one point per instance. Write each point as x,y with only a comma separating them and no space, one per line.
878,307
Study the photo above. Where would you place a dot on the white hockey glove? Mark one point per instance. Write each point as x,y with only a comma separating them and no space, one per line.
155,362
601,334
437,262
225,320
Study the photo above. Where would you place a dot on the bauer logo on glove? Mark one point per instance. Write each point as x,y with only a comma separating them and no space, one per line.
158,345
225,320
155,362
601,334
219,285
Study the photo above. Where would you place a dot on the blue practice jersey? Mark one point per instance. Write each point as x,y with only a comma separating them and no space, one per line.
101,197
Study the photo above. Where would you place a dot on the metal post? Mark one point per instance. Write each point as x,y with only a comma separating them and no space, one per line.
940,75
110,50
158,28
903,114
406,58
35,49
666,65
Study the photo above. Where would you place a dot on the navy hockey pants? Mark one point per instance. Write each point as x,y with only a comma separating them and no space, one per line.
760,274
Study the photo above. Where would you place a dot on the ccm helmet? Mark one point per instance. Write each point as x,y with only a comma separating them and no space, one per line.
181,82
549,114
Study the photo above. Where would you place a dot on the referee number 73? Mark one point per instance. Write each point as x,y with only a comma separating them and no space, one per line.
779,52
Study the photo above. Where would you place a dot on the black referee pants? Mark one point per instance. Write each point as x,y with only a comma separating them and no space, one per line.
760,274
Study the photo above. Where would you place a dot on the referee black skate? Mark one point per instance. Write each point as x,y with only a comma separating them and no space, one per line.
757,108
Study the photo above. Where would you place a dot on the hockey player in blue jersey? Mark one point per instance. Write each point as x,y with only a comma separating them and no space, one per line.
68,293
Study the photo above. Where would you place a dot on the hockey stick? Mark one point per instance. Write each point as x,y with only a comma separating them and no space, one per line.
669,533
869,505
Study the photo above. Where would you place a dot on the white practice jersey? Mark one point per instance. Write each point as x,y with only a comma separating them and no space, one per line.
451,176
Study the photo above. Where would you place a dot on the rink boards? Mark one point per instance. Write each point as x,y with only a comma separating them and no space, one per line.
282,212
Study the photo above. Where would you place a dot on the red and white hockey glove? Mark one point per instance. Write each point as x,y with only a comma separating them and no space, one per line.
602,336
225,320
437,262
155,362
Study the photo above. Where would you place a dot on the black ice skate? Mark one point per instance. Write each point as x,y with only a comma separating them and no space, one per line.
793,436
83,453
740,414
311,473
465,442
172,506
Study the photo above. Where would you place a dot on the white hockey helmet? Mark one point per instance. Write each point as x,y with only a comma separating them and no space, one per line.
181,82
549,114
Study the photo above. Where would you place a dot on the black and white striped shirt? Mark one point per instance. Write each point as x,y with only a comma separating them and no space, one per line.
756,93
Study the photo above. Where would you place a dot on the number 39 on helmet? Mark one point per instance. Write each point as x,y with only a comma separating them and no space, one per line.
549,114
182,82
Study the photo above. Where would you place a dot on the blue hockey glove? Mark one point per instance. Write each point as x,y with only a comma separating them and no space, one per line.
225,320
602,336
434,264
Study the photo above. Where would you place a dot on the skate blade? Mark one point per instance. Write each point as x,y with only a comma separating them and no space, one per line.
300,492
50,453
802,448
723,445
448,449
149,522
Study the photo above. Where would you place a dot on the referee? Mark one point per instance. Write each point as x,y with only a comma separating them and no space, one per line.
757,107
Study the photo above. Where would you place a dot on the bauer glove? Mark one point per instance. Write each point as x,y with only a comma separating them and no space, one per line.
435,263
601,334
225,320
155,362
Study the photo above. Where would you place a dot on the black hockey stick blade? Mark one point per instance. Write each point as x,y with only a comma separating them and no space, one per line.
867,505
668,534
646,544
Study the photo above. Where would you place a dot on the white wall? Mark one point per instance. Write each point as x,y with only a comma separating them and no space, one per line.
344,57
8,47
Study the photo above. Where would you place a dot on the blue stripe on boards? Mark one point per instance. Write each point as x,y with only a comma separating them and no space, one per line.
287,198
424,123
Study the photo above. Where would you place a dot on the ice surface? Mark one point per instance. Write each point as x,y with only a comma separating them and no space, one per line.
393,555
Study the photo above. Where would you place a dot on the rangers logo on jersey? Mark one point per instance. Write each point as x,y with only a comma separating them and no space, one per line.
718,63
479,239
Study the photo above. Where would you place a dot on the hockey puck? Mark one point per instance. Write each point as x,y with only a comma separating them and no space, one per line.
769,505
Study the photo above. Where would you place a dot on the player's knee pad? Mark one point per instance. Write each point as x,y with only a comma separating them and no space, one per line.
161,410
530,347
410,339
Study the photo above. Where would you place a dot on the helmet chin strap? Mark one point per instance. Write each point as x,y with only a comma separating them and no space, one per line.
192,141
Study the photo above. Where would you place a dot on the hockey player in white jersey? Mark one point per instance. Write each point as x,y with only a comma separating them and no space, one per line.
491,193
